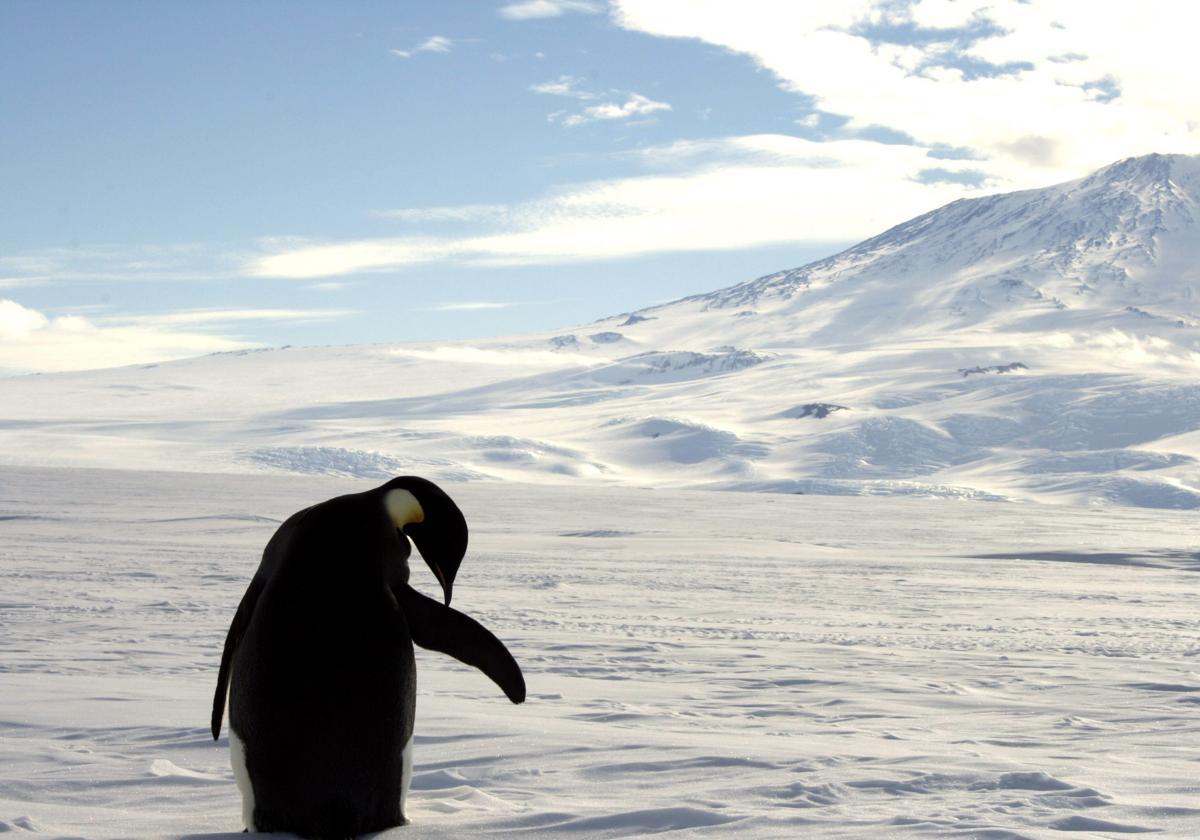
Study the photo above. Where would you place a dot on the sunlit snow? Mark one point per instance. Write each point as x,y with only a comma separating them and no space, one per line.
960,603
1041,345
726,664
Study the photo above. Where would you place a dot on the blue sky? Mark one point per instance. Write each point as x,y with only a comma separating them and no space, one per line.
182,178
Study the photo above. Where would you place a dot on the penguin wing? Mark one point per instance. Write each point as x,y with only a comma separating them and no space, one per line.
437,627
241,620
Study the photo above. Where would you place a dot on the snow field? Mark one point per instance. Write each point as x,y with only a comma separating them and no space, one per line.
1035,346
707,663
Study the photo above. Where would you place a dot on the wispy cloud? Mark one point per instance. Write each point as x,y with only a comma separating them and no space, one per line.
564,86
119,263
634,104
533,9
23,281
32,340
734,193
435,44
467,306
458,213
224,317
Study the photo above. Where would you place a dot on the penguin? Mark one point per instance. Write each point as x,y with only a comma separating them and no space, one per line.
318,662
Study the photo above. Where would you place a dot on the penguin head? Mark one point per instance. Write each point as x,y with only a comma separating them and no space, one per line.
420,511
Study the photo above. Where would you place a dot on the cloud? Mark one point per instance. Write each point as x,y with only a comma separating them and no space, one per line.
1033,150
533,9
970,177
458,213
466,306
1040,91
737,192
22,281
435,44
31,340
635,105
120,263
228,316
301,259
1121,350
16,321
564,86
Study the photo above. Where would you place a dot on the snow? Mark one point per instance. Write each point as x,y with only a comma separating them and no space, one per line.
1041,345
730,664
953,597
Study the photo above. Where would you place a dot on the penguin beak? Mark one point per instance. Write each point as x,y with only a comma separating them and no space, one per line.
447,583
420,510
443,546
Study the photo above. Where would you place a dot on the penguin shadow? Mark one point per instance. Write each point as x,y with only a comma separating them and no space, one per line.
247,835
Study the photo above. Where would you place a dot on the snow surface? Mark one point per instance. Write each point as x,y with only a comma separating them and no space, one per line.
1041,345
712,664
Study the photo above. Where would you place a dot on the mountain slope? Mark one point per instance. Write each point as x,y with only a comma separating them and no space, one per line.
1041,344
1126,236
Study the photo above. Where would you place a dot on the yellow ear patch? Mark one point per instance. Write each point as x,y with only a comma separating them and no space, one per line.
403,507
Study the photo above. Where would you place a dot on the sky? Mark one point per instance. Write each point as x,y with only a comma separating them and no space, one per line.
179,179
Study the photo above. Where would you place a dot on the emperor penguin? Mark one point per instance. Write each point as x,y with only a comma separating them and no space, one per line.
318,663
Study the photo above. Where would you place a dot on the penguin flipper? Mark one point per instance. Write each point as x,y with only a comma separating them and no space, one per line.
237,629
437,627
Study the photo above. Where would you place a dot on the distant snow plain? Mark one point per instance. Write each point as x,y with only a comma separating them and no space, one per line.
699,664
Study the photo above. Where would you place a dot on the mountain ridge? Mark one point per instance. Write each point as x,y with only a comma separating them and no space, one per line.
1072,308
1037,247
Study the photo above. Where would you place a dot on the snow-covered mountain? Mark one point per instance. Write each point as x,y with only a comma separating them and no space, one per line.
1042,344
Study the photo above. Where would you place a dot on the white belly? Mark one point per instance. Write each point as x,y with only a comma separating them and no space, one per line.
405,775
237,757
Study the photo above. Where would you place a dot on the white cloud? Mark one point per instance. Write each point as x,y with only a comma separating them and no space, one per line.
228,316
301,259
16,321
111,263
30,340
456,213
22,281
435,44
635,105
739,192
34,342
1002,91
563,86
532,9
467,306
